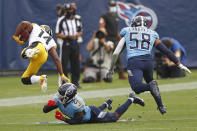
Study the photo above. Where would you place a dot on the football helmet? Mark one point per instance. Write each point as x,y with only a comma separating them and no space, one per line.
67,92
47,29
139,21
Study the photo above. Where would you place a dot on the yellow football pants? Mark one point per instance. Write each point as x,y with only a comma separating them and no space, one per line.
36,61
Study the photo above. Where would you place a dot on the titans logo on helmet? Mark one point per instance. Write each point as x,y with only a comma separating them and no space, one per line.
127,11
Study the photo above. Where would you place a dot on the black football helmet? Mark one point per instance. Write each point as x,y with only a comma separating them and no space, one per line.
47,29
139,21
68,92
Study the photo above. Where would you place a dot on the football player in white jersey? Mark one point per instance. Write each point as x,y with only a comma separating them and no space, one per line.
40,45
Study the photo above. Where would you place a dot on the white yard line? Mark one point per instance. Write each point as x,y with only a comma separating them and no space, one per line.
93,94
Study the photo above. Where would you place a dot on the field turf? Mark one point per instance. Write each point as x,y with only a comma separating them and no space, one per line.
181,108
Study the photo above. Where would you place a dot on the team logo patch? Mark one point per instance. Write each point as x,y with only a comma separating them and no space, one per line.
127,11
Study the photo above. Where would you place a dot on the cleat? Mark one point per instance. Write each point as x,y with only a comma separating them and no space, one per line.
136,99
162,109
108,103
43,83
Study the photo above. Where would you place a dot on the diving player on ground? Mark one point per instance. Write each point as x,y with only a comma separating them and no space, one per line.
139,42
74,107
40,44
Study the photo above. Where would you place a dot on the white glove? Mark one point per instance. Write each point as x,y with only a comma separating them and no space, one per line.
31,52
181,66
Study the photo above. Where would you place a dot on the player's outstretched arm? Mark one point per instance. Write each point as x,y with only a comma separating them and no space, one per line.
116,53
115,57
161,47
58,64
51,105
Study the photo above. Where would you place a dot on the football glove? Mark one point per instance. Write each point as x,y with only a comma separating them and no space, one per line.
64,79
17,40
31,52
181,66
51,103
58,115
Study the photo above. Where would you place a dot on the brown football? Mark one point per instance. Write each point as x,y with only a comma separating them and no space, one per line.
24,36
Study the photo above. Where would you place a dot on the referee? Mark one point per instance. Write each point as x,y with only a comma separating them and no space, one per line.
69,28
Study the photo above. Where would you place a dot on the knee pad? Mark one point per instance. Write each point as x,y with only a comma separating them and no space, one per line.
88,80
26,80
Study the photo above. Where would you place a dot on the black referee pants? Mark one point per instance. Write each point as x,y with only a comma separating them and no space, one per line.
71,53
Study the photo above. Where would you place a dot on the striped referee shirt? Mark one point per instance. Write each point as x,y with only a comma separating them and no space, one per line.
69,27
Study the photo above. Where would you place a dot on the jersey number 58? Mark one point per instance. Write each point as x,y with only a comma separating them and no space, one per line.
144,43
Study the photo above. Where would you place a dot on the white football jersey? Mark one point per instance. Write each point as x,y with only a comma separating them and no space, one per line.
38,34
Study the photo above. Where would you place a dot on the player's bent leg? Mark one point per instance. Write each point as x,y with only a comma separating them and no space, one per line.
154,89
124,107
135,79
34,66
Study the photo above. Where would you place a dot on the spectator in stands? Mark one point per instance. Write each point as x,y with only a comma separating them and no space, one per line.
69,28
168,68
100,58
109,25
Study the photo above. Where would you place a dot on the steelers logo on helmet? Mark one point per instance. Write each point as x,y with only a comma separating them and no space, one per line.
47,29
67,92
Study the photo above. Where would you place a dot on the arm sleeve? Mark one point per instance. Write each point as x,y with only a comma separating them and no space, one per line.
119,46
123,32
117,52
47,109
161,47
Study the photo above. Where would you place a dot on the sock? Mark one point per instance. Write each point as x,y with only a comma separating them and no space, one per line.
103,106
121,109
35,79
158,100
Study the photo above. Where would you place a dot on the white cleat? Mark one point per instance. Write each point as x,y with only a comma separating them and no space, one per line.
43,83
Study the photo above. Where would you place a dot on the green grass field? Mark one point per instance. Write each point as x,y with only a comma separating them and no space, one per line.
181,108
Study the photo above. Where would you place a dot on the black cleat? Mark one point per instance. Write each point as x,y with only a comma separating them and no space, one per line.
162,109
137,100
108,103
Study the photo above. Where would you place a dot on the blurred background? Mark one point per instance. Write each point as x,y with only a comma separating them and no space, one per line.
176,19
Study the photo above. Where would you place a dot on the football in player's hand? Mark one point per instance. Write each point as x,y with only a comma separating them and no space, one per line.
24,36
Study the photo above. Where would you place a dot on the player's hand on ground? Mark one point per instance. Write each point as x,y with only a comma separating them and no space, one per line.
181,66
58,115
64,79
16,38
51,103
